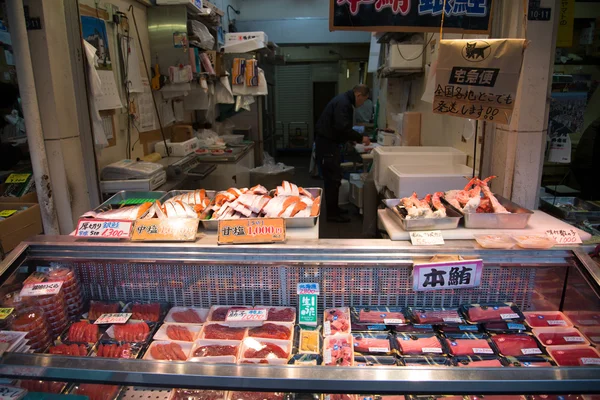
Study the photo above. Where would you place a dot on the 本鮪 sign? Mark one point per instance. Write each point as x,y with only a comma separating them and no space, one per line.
461,16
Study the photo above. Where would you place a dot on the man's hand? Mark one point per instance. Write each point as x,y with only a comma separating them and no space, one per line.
366,140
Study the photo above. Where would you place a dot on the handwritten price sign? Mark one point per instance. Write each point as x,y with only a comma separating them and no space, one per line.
41,289
172,230
253,230
12,393
564,236
17,178
113,318
426,238
103,229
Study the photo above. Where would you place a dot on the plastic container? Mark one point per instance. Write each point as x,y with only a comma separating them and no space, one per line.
544,319
584,318
385,156
425,361
372,343
134,331
153,351
378,315
271,176
338,350
534,242
515,345
215,351
256,349
170,332
403,180
469,344
336,320
478,362
492,312
573,356
219,313
97,308
187,315
232,139
436,316
372,361
309,342
419,344
530,361
109,349
32,321
495,241
560,337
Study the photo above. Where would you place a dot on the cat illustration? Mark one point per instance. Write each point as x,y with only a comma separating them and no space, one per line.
474,52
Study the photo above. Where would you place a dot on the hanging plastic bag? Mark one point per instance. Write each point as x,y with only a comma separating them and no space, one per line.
223,92
200,35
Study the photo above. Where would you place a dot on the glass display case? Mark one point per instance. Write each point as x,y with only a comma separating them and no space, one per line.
550,299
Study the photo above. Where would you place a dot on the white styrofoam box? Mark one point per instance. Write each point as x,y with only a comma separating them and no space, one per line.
403,180
386,138
412,53
241,36
356,193
385,156
177,149
195,5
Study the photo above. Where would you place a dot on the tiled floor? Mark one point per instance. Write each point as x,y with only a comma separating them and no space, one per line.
327,230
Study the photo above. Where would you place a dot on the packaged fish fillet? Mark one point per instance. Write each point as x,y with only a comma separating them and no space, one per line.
478,362
560,336
336,320
378,315
338,350
516,344
544,319
425,361
435,316
468,344
530,361
491,312
418,344
370,361
372,343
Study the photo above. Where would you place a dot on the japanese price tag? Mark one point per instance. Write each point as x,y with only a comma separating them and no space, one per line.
564,236
308,288
307,303
103,229
5,312
447,275
252,230
252,317
113,318
41,289
171,230
12,393
17,178
426,238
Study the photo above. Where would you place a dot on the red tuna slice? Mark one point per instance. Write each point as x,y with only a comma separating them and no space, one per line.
516,345
420,345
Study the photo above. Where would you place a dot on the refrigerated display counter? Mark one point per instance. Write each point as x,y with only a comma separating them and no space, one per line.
365,275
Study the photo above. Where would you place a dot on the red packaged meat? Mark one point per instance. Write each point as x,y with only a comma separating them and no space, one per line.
180,333
271,331
97,308
78,350
338,350
592,333
168,351
218,331
219,313
468,344
145,312
133,332
378,315
544,319
574,356
530,361
520,344
418,343
32,321
584,318
115,351
83,332
216,350
371,343
253,348
97,392
280,314
71,288
255,396
436,316
43,386
560,336
192,394
492,312
336,320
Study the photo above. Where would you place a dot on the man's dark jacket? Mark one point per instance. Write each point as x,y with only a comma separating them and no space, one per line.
335,124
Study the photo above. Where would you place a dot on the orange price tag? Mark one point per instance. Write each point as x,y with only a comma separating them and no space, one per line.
168,230
253,230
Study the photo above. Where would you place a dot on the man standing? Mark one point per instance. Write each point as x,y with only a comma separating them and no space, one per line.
333,129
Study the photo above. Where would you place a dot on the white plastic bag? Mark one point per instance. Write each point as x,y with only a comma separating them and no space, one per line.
200,36
223,91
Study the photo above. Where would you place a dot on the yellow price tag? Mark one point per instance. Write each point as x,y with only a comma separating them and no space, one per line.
5,312
17,178
7,213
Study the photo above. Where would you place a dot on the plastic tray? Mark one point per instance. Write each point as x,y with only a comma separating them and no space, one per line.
540,242
121,199
306,222
586,209
495,241
547,319
575,337
517,219
424,224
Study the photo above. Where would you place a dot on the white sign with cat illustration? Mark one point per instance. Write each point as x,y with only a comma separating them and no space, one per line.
478,79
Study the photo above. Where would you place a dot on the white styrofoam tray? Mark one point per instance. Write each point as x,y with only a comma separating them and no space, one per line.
403,180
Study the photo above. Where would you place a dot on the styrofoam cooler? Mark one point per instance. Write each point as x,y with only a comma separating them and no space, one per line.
403,180
415,156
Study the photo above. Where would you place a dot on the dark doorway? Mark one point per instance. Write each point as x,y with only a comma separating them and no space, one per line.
323,92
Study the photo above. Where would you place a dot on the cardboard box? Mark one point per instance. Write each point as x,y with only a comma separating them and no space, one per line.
26,198
411,130
20,226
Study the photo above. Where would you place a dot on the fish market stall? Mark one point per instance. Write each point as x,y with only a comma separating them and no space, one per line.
367,317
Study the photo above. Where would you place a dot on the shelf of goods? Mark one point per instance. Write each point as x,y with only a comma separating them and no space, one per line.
375,335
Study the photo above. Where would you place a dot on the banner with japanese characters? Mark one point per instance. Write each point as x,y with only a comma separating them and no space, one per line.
460,16
478,79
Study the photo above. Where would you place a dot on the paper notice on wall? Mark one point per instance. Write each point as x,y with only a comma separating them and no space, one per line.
134,77
167,116
109,99
478,79
560,149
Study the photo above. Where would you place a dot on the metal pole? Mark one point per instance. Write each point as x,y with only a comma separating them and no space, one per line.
31,112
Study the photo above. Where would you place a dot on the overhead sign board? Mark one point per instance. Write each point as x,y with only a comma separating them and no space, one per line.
461,16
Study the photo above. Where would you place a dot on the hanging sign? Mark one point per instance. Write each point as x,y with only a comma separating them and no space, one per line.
461,16
171,229
566,17
252,230
478,79
447,275
105,229
307,303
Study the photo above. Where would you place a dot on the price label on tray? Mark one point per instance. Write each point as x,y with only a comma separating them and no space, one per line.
426,238
573,339
113,318
5,312
452,320
531,351
17,178
104,229
252,230
253,317
564,236
378,349
557,322
590,361
393,321
431,350
481,350
41,289
12,393
509,316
